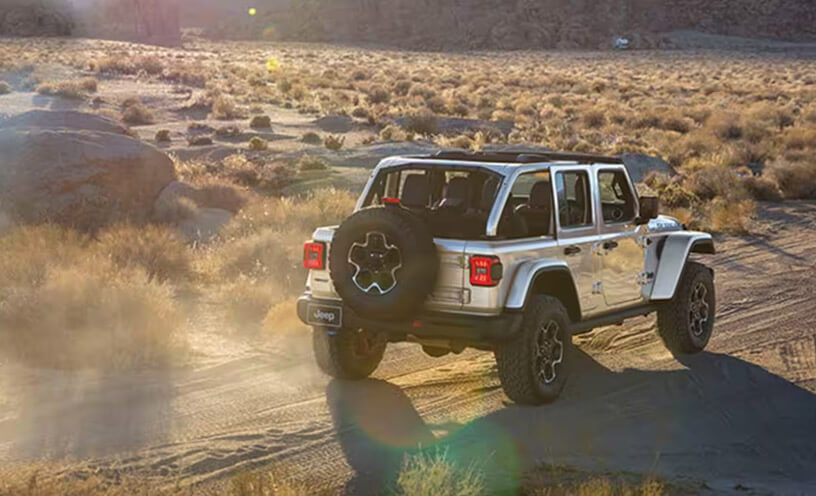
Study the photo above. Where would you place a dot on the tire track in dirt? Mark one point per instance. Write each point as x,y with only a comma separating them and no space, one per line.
741,413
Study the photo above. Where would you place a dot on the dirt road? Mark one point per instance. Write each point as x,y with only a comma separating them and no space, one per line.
742,414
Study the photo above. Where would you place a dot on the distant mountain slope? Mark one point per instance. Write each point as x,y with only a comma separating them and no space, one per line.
460,24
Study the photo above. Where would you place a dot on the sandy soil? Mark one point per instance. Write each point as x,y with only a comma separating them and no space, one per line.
742,414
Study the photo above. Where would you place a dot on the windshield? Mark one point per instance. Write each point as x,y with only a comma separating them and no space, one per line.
455,201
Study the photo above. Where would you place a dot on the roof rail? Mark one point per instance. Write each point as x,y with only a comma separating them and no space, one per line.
525,157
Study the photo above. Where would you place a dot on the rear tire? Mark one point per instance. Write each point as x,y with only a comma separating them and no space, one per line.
534,366
686,322
348,353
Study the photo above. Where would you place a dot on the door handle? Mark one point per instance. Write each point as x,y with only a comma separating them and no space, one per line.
610,245
572,250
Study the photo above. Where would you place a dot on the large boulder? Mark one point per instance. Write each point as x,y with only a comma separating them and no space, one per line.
79,178
67,119
18,18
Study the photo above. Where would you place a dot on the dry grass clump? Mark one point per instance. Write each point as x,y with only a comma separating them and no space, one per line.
224,108
64,304
423,123
260,122
76,89
128,65
258,144
5,88
435,474
157,250
163,136
312,163
796,180
334,143
36,482
562,481
136,113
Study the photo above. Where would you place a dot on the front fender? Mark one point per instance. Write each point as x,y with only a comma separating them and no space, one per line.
525,277
673,260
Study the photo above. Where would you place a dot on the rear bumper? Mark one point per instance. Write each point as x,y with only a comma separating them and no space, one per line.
468,329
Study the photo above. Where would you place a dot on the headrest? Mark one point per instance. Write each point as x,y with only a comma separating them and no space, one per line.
456,194
541,195
416,191
491,186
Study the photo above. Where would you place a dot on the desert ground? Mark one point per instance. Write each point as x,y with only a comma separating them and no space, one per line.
163,356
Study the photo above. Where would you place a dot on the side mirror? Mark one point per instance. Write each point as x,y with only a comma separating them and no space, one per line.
649,208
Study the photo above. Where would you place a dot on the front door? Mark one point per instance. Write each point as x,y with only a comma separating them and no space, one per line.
577,232
619,246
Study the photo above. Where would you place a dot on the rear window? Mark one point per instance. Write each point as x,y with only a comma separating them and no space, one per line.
456,202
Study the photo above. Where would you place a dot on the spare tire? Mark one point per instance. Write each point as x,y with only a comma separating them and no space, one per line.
383,262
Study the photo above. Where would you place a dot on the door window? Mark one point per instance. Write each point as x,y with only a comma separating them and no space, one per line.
574,201
617,199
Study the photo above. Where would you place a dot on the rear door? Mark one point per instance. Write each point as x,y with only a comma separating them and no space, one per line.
620,247
577,231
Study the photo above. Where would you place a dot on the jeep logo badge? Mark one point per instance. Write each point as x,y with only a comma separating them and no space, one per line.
324,316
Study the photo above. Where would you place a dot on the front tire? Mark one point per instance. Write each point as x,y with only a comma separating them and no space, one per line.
534,366
348,353
686,322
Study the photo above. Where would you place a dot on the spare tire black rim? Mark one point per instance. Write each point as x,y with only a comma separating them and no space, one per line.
549,350
376,262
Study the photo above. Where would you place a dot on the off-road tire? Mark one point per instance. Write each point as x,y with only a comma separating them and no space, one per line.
516,359
674,317
337,355
414,280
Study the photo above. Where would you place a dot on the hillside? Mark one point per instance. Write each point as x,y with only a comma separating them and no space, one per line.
476,24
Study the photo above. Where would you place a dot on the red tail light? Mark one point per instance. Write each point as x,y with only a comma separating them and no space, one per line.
391,201
485,271
314,256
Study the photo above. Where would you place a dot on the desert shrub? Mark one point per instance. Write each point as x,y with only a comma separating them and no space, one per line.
392,133
77,89
402,87
334,143
716,181
762,188
29,251
276,177
5,88
156,250
547,480
137,114
224,108
436,105
247,300
799,138
217,193
378,94
360,112
725,125
432,474
97,317
163,135
260,122
258,144
796,180
423,123
594,118
730,216
117,64
310,163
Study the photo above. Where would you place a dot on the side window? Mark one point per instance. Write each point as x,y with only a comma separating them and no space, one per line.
617,198
531,199
574,201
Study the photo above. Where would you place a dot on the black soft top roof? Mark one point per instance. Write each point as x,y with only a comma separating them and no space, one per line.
523,157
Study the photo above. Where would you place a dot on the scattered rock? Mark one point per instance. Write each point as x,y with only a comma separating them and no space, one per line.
260,122
85,179
311,138
640,165
228,132
199,140
66,119
335,124
454,125
163,136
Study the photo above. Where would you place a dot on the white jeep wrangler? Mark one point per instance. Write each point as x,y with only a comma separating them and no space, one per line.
509,252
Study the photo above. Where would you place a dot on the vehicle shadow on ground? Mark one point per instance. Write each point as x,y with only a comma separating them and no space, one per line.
717,419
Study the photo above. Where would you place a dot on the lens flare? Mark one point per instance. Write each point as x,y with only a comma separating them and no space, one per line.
253,11
269,33
272,64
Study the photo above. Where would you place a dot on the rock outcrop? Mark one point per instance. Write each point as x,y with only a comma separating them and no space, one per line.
79,178
35,18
